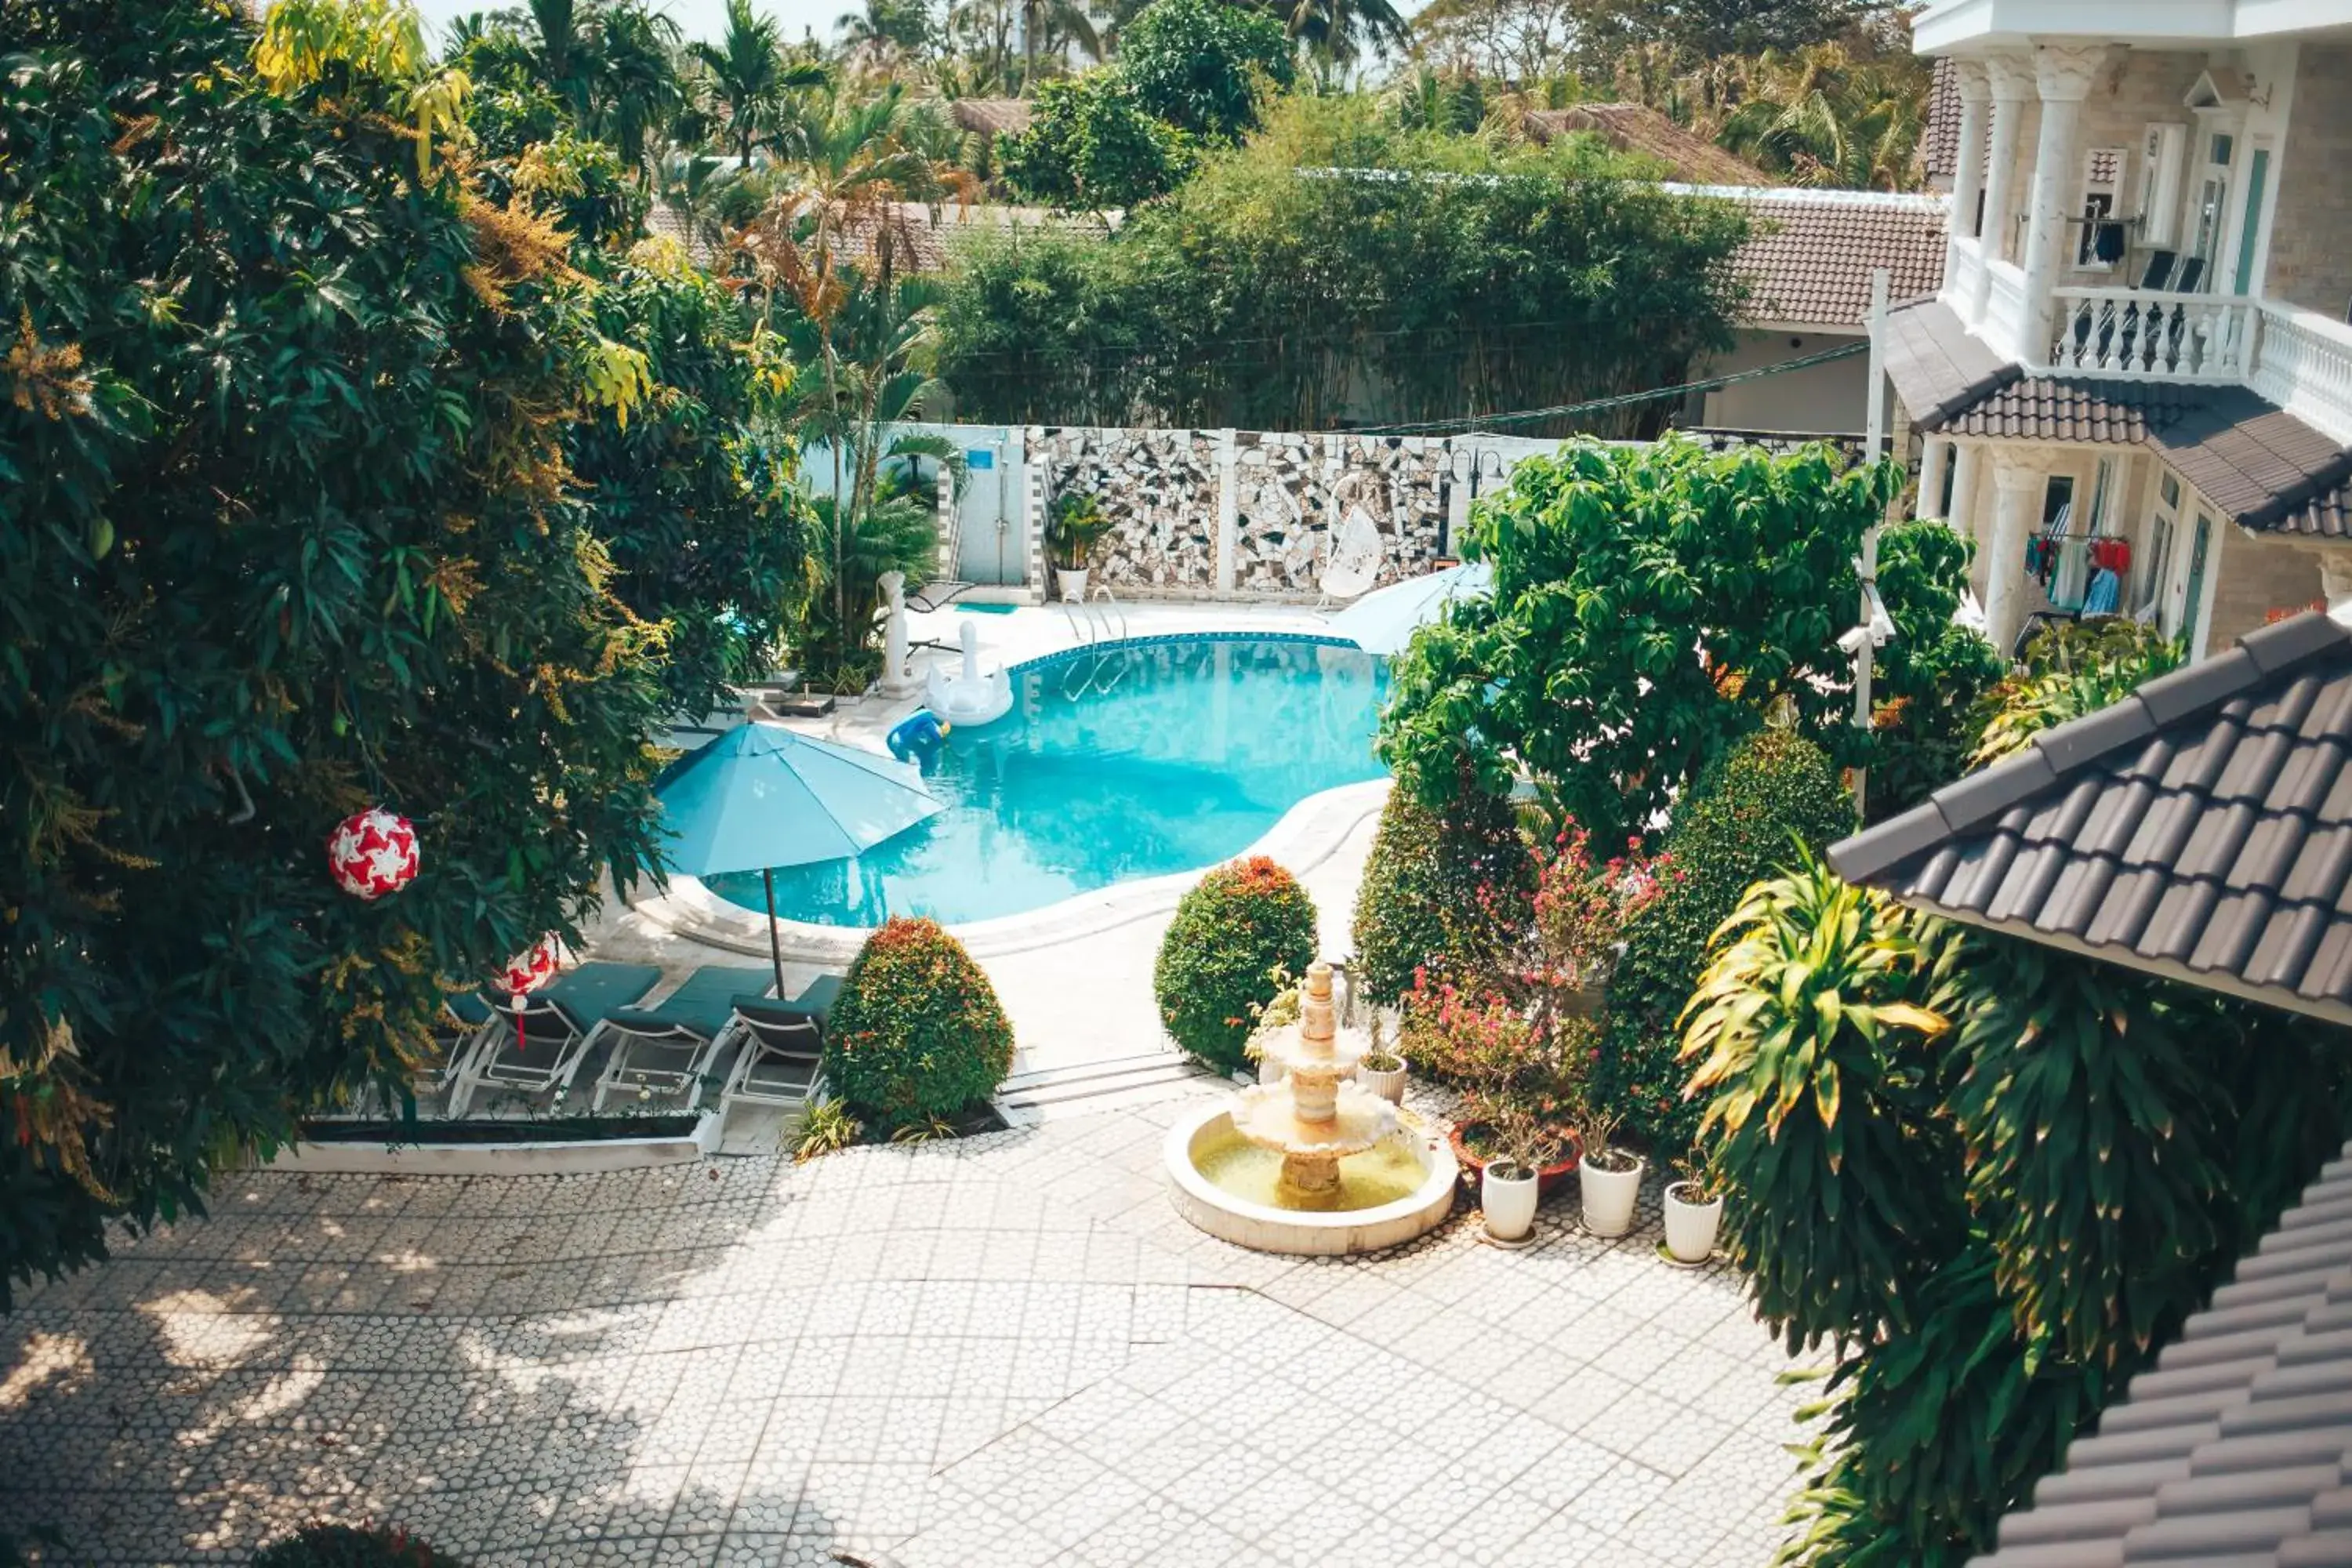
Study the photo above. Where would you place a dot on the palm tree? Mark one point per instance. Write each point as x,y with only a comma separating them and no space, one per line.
637,88
1824,118
753,76
1051,27
1339,30
843,176
883,30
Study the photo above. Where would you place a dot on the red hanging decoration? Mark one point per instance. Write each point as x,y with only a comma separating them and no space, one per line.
373,853
526,972
534,966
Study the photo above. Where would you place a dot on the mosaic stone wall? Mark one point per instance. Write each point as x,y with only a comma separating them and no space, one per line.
1296,492
1290,496
1160,488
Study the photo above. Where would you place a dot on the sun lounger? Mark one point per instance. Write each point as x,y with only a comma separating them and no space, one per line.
666,1047
783,1042
547,1030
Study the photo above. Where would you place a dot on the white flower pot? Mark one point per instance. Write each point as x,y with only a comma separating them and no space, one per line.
1509,1201
1608,1197
1691,1227
1389,1086
1073,584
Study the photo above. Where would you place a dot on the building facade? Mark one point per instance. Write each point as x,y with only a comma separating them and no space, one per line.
2134,380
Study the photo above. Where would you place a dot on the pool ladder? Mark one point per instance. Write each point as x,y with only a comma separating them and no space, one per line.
1096,619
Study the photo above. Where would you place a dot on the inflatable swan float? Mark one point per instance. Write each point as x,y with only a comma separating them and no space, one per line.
971,695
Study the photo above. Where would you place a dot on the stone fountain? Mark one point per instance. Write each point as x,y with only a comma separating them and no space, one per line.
1315,1113
1314,1162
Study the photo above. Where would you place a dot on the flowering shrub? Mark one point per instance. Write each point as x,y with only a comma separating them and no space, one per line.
1443,894
1466,1036
353,1546
918,1032
1217,966
1582,911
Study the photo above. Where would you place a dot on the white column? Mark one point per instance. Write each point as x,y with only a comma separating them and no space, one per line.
1229,509
2019,482
1933,459
2063,75
1967,467
2012,89
1969,175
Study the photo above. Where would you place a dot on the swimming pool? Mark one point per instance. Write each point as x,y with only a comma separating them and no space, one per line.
1143,758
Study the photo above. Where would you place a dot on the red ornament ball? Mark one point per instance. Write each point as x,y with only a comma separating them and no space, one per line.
535,967
372,854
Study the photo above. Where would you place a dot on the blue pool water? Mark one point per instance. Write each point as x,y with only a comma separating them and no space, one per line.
1159,755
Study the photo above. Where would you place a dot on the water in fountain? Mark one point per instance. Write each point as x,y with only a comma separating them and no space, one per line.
1335,1138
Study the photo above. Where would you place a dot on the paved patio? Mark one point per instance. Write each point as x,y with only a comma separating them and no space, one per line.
1006,1351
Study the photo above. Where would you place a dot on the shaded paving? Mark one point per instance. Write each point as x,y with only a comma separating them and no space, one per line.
1006,1350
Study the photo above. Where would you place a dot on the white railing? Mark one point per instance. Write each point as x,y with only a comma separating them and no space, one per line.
2302,362
2003,327
2141,335
1963,259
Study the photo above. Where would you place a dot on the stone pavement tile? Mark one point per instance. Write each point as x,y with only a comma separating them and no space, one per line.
1622,1492
1687,1441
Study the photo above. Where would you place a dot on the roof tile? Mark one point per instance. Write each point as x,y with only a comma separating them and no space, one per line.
2202,830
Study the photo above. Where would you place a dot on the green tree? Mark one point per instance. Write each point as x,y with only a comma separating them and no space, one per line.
287,531
1768,800
2069,671
1650,605
1821,117
1993,1174
1202,66
1257,290
1450,895
1091,146
1928,679
750,76
1341,31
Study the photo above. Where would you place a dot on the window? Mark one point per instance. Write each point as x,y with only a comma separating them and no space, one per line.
2057,502
2157,566
2258,173
2193,592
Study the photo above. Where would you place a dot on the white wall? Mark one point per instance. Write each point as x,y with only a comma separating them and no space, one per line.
1830,399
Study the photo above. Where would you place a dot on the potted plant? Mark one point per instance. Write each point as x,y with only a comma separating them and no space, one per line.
1609,1177
1382,1071
1694,1212
1508,1189
1278,1014
1075,524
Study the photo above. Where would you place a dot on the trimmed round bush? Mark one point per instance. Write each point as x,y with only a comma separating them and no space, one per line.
918,1032
1451,894
1741,823
353,1546
1241,923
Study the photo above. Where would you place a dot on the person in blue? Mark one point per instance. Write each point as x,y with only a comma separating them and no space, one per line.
918,737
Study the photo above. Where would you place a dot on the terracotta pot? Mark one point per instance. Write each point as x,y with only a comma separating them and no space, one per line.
1549,1180
1509,1199
1691,1227
1608,1197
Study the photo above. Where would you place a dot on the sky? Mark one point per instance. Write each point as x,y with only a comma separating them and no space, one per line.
694,18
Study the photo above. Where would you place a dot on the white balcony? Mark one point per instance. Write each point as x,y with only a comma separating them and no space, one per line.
2133,335
2302,362
2002,326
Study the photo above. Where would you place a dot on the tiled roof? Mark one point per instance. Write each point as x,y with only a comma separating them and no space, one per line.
1810,253
2248,456
1939,139
2199,829
2054,408
2236,1446
991,116
1637,128
1938,369
2324,514
2260,465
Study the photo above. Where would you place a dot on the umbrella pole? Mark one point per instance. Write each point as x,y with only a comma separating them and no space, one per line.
775,941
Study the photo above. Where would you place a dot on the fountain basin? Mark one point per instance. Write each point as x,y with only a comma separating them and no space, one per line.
1208,1138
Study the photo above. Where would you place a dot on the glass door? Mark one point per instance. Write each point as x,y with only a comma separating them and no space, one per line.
2210,205
2193,594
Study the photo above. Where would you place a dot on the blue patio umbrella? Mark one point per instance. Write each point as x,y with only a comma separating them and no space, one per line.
762,796
1383,621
